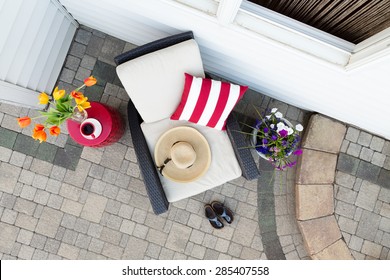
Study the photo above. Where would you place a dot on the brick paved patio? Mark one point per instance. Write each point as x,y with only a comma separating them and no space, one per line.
59,200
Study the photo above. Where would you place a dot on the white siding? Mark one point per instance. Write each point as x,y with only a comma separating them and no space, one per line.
360,97
35,36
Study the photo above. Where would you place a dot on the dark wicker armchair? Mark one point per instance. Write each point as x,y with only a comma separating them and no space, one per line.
152,181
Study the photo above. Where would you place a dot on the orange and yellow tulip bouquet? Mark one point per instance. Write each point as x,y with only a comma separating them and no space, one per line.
63,106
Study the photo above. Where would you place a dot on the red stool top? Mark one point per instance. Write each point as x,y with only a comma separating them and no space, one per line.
102,114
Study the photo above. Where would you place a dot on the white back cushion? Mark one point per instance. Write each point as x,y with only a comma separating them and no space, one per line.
224,166
155,81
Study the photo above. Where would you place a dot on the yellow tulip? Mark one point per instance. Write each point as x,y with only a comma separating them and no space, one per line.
43,98
83,104
58,94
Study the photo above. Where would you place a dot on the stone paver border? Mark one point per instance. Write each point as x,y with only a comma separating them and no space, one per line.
314,189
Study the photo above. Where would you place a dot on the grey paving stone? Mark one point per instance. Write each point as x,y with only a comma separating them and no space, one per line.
348,164
41,167
371,249
7,200
111,48
5,154
94,93
345,209
40,255
10,122
345,180
9,216
40,181
377,143
83,36
82,74
8,177
366,154
28,192
67,75
46,152
104,73
346,195
386,164
68,157
49,222
88,62
347,225
93,208
367,196
385,224
135,249
354,149
384,178
368,226
69,237
8,138
8,237
26,221
25,144
94,46
17,159
77,49
178,237
355,243
26,252
378,159
352,134
68,251
364,139
368,171
38,241
72,62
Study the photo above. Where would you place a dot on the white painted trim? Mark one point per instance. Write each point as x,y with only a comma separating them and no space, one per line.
18,95
227,10
207,6
65,12
370,50
293,33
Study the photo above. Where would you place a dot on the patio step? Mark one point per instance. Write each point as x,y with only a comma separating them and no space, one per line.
314,189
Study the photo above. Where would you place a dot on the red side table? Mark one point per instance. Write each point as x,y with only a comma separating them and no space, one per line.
112,126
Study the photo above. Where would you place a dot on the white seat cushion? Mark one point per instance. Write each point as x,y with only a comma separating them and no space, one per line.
223,168
155,81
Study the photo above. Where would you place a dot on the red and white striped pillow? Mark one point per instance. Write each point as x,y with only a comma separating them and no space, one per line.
207,102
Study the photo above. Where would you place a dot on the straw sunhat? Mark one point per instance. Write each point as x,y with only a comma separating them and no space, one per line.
182,154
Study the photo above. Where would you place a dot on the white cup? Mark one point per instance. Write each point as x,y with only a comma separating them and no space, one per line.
91,128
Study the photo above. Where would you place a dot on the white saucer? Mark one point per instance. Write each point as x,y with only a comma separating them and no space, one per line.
97,126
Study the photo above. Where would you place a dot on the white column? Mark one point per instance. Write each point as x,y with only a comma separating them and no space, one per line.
227,10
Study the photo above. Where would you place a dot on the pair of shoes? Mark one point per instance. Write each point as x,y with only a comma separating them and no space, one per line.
215,212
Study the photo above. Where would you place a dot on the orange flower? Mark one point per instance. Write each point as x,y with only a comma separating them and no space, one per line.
24,122
39,127
39,133
58,94
90,81
55,130
78,96
43,98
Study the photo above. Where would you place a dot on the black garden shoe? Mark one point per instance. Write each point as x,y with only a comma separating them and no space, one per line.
222,211
214,220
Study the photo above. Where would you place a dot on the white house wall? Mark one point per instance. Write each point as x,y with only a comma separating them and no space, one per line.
35,36
360,97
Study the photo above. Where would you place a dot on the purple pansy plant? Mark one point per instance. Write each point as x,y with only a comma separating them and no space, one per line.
277,139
